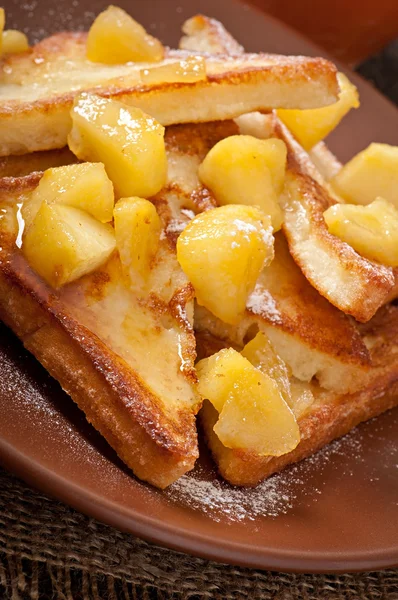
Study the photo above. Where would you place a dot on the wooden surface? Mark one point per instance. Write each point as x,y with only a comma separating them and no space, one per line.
351,30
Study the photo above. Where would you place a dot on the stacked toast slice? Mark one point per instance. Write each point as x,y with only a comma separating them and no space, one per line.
38,89
350,384
127,357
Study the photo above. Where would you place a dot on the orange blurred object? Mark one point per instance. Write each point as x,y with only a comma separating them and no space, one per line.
351,30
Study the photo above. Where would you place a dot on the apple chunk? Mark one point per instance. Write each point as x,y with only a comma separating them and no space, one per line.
242,169
371,173
85,186
137,229
260,353
252,412
371,230
116,38
128,142
222,252
64,243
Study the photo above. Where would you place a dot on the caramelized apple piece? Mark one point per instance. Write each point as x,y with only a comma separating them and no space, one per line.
252,412
302,397
311,126
371,173
216,376
85,186
371,230
222,252
128,142
64,243
260,353
137,230
189,70
116,38
242,169
14,42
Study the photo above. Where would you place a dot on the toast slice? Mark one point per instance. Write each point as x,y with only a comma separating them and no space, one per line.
355,285
311,336
331,415
38,88
328,166
127,360
288,309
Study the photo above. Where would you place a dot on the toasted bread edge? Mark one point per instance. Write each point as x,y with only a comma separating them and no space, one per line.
320,427
151,458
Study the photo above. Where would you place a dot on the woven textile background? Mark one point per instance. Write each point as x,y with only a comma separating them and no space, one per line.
50,551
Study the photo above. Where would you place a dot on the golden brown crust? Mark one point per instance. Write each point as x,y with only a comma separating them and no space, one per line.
24,164
11,187
354,284
311,335
156,440
37,95
114,398
331,416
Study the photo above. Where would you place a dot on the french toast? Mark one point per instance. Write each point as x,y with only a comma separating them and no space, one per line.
122,340
38,88
353,284
312,336
331,415
90,334
89,337
334,410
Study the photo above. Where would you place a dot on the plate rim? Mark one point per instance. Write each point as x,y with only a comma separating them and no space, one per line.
161,533
158,532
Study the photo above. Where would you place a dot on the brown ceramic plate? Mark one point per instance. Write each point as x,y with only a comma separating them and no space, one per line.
335,512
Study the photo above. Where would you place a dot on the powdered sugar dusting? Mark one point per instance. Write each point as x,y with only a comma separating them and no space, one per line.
23,390
175,227
218,499
262,303
65,15
275,496
22,394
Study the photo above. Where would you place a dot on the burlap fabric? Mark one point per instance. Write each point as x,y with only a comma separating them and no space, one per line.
48,550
